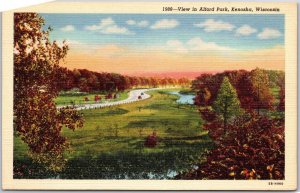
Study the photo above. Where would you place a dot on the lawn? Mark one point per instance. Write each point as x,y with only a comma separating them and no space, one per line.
111,143
79,98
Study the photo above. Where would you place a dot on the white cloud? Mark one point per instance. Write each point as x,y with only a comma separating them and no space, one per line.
194,44
211,25
103,24
245,30
67,28
143,23
176,46
73,42
130,22
197,44
108,26
165,24
114,29
269,33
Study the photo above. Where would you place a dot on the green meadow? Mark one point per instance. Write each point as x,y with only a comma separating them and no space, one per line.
112,140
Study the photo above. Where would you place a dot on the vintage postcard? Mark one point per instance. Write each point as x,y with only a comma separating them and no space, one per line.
150,96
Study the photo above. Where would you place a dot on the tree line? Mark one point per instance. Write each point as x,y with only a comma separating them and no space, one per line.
254,88
90,81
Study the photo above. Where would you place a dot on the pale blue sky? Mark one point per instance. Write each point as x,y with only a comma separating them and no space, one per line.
140,43
256,31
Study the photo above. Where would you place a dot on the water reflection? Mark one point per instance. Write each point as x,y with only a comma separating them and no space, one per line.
184,98
128,165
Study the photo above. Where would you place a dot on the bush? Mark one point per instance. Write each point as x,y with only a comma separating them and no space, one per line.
151,140
253,148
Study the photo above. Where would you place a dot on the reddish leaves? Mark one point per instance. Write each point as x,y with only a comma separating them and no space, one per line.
88,81
252,88
253,148
281,105
151,140
97,98
37,119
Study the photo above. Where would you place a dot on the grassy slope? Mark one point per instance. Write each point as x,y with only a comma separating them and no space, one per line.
98,153
160,113
177,127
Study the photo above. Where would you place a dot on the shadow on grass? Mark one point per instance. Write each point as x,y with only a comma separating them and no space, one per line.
116,111
142,164
203,137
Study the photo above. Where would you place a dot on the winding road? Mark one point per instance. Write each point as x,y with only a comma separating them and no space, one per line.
133,97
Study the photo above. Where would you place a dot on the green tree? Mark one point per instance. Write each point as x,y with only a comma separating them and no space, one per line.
263,97
37,120
227,103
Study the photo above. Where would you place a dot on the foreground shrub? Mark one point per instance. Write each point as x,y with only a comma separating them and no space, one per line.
151,140
253,148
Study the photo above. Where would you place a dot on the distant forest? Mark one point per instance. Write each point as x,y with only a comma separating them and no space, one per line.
89,81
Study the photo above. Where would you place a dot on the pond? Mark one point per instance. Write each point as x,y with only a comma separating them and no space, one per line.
184,98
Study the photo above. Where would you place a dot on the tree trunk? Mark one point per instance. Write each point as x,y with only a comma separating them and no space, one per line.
225,116
225,123
258,103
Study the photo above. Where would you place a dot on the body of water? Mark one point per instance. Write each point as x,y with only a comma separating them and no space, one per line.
184,98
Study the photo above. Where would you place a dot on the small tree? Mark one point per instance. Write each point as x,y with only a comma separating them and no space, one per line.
281,105
140,132
227,103
281,84
116,130
202,97
151,140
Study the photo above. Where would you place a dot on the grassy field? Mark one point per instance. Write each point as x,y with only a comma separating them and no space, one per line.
114,139
79,99
123,127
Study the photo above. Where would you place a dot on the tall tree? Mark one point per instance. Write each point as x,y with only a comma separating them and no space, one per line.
227,103
281,85
281,105
37,120
262,92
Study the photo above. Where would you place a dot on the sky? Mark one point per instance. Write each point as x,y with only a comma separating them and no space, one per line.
176,43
